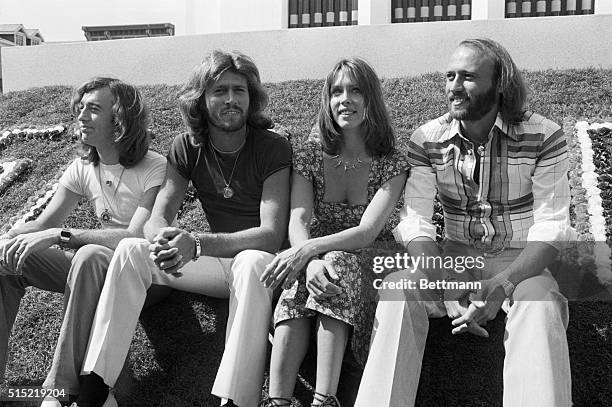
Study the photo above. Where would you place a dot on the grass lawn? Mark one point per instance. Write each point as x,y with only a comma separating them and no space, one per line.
179,342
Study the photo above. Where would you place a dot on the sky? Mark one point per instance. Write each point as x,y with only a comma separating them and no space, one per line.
61,20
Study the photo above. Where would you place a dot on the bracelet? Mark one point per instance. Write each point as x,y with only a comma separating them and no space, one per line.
198,247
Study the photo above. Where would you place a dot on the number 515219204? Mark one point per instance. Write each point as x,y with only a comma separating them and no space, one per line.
32,393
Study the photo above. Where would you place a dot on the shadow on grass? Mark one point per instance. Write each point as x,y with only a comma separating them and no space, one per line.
590,343
466,371
462,370
175,353
179,342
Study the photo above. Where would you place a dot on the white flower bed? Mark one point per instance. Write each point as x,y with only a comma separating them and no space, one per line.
597,220
12,170
38,206
48,133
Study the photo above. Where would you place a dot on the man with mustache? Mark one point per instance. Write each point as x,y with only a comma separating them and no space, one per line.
240,172
500,173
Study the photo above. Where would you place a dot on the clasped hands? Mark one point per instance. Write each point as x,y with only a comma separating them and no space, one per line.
284,269
471,311
171,249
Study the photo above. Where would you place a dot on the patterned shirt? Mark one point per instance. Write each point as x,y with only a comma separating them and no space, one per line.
522,193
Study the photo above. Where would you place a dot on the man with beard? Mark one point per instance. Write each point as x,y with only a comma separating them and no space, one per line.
500,173
240,171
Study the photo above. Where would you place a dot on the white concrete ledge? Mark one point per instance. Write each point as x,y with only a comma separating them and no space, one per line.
395,50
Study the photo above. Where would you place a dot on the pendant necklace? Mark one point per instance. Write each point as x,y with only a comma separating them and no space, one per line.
347,165
480,145
105,216
228,192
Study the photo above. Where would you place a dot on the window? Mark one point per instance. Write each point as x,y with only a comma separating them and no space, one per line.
417,11
539,8
321,13
20,39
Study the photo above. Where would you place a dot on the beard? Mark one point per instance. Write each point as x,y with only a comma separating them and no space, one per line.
227,125
478,105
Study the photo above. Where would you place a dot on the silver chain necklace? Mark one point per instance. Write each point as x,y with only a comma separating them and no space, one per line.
228,191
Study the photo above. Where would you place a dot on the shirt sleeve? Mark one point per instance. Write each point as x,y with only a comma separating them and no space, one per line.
277,156
419,195
178,156
396,163
303,160
156,172
73,178
551,192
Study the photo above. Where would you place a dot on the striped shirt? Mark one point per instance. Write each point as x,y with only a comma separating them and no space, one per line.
522,193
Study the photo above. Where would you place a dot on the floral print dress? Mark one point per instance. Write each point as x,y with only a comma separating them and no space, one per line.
356,304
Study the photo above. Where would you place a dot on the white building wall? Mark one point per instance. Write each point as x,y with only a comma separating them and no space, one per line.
202,16
395,50
249,15
221,16
374,12
603,6
488,9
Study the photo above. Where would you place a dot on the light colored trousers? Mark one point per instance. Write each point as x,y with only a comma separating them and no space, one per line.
83,286
80,276
131,272
536,365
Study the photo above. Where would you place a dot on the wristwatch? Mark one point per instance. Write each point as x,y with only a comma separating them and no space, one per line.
508,287
65,236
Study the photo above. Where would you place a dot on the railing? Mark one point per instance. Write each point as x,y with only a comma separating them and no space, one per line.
539,8
322,13
416,11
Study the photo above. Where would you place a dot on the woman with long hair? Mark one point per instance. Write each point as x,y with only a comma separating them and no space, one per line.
349,180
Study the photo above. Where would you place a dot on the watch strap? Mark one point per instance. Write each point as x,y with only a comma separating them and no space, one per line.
65,236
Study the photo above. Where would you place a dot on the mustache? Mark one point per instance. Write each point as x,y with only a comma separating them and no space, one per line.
457,94
232,107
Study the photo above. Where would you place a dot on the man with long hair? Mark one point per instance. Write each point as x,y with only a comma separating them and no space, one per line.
500,173
240,171
121,177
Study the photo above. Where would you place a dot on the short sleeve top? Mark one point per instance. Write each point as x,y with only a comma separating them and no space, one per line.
114,187
263,154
